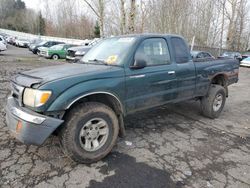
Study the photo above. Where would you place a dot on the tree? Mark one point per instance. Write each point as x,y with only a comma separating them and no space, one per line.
19,5
98,8
132,15
123,17
97,30
41,24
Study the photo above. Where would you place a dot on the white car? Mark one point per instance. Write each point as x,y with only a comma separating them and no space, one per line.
245,62
3,46
22,43
3,40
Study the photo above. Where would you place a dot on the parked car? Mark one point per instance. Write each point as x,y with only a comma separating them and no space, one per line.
201,56
3,46
11,40
232,55
85,102
245,62
22,42
56,52
34,42
2,39
76,53
46,44
245,55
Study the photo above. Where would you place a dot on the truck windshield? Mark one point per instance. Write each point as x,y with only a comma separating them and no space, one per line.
110,51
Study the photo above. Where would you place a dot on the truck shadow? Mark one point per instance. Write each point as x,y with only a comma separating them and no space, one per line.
170,116
129,173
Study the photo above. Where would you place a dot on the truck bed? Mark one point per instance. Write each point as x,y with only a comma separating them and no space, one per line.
206,70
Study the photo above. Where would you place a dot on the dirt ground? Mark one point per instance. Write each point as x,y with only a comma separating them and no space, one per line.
172,146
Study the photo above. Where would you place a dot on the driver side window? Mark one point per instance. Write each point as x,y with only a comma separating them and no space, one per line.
154,51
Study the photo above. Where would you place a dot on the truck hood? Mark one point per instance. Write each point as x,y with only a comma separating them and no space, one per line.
51,73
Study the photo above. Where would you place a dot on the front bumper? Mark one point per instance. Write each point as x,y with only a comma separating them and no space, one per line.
27,126
245,64
74,59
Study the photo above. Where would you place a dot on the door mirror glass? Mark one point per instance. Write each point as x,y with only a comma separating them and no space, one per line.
139,64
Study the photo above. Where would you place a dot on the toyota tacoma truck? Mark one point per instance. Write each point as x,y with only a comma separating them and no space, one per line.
84,104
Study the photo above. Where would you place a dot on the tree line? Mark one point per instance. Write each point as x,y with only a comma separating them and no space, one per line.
212,23
15,16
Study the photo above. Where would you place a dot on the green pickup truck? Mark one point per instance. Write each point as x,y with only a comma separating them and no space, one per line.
85,103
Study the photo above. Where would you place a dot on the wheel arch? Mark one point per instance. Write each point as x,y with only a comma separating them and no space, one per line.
106,98
220,79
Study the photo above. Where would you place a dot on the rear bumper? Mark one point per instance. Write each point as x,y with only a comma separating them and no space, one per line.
27,126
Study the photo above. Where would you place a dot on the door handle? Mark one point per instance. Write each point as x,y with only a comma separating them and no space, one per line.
171,72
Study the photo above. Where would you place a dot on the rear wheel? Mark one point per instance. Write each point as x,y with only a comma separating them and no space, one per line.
55,57
90,132
213,103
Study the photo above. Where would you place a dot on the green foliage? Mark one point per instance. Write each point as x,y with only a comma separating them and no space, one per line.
97,30
41,24
19,5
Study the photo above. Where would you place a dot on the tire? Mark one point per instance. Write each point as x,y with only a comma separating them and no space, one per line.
213,103
55,57
74,145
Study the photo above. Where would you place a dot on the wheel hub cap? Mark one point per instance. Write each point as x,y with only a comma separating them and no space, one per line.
94,134
217,102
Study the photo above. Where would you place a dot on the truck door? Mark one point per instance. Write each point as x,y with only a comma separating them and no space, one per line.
185,69
155,84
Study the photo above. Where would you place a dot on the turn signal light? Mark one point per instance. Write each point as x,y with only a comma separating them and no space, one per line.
19,126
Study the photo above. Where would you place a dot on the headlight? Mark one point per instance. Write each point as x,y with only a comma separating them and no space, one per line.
35,98
80,53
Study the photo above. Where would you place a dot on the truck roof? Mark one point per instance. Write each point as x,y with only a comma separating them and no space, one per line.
149,35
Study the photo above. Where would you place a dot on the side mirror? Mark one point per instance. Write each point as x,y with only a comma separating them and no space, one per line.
139,63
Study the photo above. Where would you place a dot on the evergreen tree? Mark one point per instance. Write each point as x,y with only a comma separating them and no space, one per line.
97,30
41,24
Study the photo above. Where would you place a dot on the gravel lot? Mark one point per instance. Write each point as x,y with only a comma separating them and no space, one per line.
173,146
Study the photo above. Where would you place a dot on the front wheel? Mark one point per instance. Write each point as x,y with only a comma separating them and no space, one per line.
55,57
213,103
90,132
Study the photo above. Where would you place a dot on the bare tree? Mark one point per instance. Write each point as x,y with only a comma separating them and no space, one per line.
98,8
123,17
132,14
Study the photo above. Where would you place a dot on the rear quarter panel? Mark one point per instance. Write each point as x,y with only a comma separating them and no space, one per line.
206,71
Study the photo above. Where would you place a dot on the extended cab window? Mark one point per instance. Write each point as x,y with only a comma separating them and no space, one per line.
181,51
155,51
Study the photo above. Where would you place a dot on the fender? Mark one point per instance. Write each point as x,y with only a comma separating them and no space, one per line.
67,98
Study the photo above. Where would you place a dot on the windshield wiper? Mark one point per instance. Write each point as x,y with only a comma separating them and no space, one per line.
98,61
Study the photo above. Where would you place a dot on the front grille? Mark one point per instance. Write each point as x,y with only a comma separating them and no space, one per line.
44,53
17,92
71,53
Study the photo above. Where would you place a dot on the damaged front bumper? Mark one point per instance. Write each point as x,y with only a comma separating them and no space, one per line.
28,126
